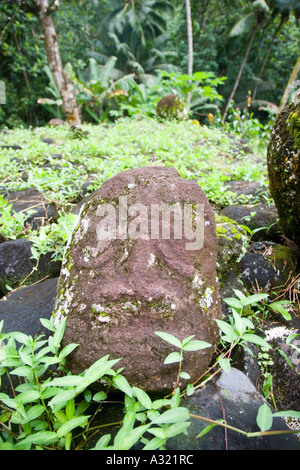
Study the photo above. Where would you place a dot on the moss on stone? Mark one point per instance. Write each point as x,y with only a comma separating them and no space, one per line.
284,170
293,125
171,107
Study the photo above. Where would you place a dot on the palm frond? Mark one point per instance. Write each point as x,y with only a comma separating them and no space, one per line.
244,25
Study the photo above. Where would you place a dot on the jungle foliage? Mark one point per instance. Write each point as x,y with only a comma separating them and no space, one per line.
116,53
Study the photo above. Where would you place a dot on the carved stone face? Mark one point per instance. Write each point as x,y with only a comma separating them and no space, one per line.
126,277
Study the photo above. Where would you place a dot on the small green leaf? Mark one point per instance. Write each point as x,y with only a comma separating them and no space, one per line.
22,371
97,370
175,400
40,438
228,330
173,357
224,364
177,428
187,340
252,299
169,338
175,415
67,381
239,294
59,332
256,340
208,428
286,357
47,324
26,358
264,417
70,408
158,432
160,403
239,323
122,384
142,397
72,424
87,395
100,396
67,350
153,414
103,442
279,307
196,345
155,443
290,338
190,389
61,399
34,412
22,338
184,375
235,303
28,397
61,416
127,440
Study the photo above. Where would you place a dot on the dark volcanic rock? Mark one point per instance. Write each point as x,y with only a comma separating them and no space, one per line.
267,265
22,310
235,399
262,219
16,264
253,189
31,199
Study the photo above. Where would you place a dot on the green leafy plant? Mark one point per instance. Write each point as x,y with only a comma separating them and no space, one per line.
202,86
140,408
187,344
12,224
52,238
239,330
243,123
48,406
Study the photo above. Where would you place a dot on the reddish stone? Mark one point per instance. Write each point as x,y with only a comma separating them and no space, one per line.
117,293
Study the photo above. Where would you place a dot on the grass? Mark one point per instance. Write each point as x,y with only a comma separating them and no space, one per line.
200,153
90,156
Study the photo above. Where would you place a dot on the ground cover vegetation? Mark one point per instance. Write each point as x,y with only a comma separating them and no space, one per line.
122,58
50,408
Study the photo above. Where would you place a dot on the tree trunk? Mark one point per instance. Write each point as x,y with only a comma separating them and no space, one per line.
290,85
190,42
64,85
262,68
238,78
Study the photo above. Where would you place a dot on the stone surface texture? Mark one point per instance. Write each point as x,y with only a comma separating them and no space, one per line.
284,170
117,293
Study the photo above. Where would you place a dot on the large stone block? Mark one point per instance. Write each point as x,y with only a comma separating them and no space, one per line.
284,170
118,287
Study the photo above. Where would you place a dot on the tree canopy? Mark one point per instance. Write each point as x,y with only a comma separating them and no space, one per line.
253,44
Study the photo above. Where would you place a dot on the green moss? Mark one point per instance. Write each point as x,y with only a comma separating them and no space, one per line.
283,254
221,230
293,125
171,107
70,265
